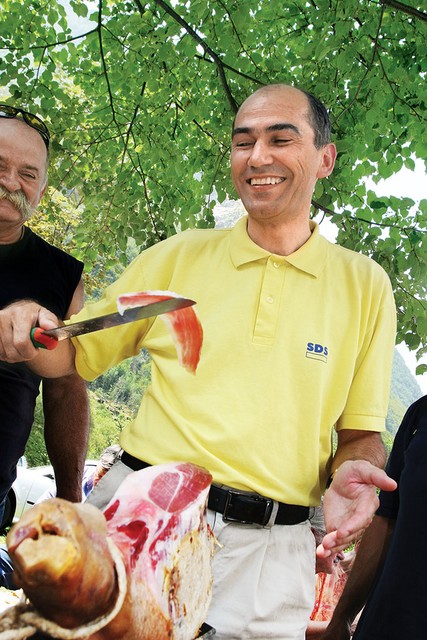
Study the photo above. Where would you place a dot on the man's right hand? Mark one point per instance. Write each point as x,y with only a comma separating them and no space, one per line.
16,322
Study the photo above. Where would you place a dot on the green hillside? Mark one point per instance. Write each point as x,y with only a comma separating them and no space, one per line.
404,391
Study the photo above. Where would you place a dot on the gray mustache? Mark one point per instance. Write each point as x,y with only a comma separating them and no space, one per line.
19,200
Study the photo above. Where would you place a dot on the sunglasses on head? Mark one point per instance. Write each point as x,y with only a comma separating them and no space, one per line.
6,111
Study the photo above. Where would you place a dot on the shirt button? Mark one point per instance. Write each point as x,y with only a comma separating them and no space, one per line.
270,299
276,265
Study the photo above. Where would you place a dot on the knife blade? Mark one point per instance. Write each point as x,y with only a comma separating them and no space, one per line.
48,339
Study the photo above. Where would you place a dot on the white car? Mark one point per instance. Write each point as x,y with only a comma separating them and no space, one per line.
30,485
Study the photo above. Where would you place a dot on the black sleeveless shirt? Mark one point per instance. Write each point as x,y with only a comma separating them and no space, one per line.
30,268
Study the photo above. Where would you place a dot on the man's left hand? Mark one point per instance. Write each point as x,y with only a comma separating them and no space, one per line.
350,503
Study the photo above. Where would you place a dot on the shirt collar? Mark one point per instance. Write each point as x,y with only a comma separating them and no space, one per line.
309,258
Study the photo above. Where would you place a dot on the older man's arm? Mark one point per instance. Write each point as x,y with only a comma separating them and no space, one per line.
66,423
66,432
369,560
351,500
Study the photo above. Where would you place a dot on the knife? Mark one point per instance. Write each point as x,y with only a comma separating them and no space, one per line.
48,339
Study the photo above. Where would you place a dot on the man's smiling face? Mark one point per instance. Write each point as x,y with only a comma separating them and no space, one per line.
23,167
274,162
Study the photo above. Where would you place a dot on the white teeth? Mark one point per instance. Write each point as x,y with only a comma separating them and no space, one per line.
268,180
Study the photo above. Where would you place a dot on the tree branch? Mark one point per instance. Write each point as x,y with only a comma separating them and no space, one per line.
129,131
243,48
51,45
410,11
141,9
374,53
210,52
104,64
374,223
395,94
241,74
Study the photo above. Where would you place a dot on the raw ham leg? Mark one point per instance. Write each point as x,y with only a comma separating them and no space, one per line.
157,522
159,526
56,549
183,324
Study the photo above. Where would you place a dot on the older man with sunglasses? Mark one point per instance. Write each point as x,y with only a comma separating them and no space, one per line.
31,268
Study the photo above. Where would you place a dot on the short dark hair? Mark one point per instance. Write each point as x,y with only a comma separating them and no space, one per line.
319,120
318,117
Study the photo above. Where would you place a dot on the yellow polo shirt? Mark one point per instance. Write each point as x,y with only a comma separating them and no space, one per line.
293,346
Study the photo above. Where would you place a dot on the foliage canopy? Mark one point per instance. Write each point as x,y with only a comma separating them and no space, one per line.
140,99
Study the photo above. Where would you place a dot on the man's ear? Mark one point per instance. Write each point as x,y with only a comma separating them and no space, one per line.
326,167
43,191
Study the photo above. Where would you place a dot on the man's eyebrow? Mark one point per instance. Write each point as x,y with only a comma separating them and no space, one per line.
280,126
283,126
28,167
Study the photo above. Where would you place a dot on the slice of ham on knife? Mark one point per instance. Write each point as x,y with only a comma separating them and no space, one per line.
65,558
183,324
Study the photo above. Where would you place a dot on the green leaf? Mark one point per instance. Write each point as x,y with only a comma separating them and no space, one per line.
378,204
79,7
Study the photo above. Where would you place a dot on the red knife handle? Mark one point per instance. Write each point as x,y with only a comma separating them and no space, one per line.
41,340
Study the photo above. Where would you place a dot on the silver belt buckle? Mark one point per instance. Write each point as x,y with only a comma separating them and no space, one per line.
273,515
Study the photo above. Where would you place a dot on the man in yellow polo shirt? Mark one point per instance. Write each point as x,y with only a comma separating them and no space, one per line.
298,339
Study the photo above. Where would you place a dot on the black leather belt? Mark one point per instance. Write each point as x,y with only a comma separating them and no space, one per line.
241,506
252,508
134,463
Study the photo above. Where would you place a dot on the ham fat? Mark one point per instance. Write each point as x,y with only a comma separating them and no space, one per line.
157,523
183,324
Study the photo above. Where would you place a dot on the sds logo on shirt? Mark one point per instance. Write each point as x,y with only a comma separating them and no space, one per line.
316,351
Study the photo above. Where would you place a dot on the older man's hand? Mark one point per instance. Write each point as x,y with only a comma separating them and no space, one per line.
16,322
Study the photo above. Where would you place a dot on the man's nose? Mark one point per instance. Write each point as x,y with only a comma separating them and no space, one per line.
260,154
9,180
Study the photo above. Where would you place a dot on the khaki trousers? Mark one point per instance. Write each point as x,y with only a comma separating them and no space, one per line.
263,581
